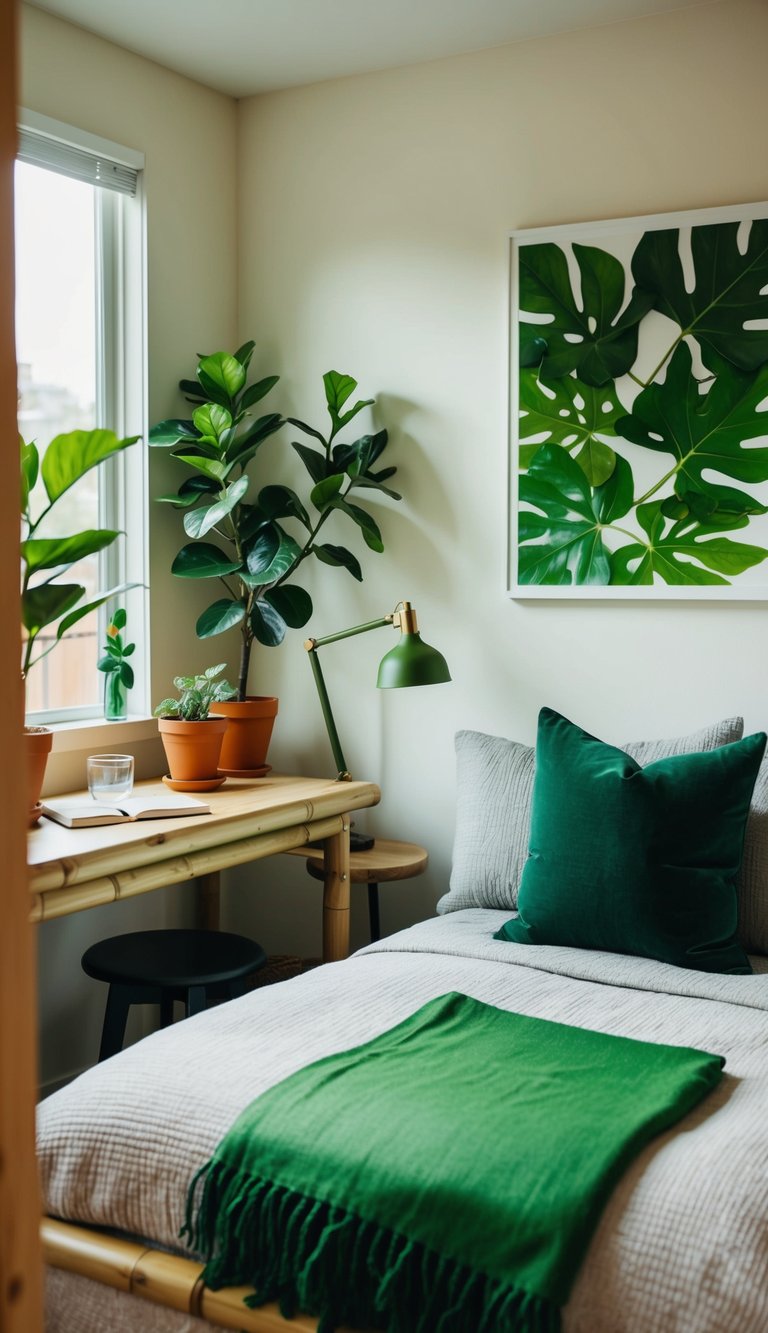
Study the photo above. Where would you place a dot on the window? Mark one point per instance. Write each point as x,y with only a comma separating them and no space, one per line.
79,331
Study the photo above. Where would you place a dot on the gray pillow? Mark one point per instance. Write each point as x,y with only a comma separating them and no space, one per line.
493,815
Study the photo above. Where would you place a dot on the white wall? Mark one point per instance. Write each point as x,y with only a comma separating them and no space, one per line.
374,213
188,136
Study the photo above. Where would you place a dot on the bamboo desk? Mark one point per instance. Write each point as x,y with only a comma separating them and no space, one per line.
73,869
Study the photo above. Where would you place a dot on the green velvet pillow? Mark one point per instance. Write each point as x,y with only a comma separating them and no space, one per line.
636,860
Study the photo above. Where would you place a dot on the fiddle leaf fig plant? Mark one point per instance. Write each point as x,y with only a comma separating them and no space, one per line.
46,600
253,545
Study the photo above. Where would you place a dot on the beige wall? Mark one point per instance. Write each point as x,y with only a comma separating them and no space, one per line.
373,217
188,136
374,213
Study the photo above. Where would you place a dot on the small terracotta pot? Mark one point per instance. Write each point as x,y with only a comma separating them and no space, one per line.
37,742
248,734
192,748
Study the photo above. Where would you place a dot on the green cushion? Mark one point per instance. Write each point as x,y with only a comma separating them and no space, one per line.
636,860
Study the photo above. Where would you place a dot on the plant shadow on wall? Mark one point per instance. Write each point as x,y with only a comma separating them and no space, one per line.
252,546
642,418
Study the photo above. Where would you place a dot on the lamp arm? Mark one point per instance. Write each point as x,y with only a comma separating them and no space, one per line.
343,774
311,645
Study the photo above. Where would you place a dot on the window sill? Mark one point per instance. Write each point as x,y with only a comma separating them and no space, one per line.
99,735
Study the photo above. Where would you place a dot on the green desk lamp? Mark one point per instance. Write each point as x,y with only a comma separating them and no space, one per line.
410,662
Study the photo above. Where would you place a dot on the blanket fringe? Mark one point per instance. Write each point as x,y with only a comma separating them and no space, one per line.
315,1257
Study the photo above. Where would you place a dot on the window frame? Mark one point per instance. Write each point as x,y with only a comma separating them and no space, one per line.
121,396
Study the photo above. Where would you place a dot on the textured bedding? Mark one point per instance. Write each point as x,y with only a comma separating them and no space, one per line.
683,1244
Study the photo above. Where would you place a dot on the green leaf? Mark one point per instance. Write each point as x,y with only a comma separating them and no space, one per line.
356,459
120,618
173,431
313,461
209,468
562,544
47,553
337,390
203,560
212,420
219,616
339,555
264,549
224,371
364,521
678,555
199,521
243,449
284,558
267,624
575,415
30,467
728,290
69,457
85,610
371,484
257,391
282,502
126,675
310,430
190,491
108,664
605,345
326,490
705,432
244,353
191,390
292,603
42,605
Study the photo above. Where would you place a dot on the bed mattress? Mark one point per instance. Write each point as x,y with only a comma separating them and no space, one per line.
682,1246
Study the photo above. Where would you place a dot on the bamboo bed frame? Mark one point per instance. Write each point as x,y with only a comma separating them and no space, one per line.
158,1277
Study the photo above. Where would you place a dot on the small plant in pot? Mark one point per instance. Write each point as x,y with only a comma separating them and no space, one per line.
190,733
255,555
51,606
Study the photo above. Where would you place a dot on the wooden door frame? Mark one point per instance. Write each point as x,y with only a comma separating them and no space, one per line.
20,1266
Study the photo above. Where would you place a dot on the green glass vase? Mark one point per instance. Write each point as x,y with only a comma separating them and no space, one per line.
115,698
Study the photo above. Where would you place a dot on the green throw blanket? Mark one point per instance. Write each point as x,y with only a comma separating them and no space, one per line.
446,1176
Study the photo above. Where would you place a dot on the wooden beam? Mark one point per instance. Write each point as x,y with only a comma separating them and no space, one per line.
163,1279
20,1266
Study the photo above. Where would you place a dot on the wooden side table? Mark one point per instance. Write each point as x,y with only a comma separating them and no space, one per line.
385,861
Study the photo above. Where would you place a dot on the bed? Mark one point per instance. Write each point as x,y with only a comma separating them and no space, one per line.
682,1245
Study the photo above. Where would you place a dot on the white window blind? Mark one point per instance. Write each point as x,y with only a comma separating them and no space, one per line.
80,163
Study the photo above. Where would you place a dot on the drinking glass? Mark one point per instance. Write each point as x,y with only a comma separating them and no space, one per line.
110,777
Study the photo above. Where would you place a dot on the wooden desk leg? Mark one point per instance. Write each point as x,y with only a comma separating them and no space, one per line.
336,896
208,900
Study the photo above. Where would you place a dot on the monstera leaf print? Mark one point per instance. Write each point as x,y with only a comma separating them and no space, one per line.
705,432
562,543
567,412
594,339
728,291
682,552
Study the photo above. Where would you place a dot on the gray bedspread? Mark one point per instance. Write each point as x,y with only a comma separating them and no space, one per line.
683,1244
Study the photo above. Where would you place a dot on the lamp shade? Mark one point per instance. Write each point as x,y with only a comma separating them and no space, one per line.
412,662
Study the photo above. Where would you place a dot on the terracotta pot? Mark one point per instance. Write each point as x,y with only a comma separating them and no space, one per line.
244,751
37,742
192,748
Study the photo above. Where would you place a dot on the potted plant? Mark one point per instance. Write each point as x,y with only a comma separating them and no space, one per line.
261,541
47,602
191,735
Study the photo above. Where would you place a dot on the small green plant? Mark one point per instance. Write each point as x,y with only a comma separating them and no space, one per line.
46,601
255,555
197,695
118,672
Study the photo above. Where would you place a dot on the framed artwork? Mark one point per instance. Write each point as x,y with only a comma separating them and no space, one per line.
639,408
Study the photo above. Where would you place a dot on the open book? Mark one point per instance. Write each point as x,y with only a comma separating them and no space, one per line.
77,813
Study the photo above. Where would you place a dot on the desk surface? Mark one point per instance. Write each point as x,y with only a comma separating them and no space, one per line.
72,869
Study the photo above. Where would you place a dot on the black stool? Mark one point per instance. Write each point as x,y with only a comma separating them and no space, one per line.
160,966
